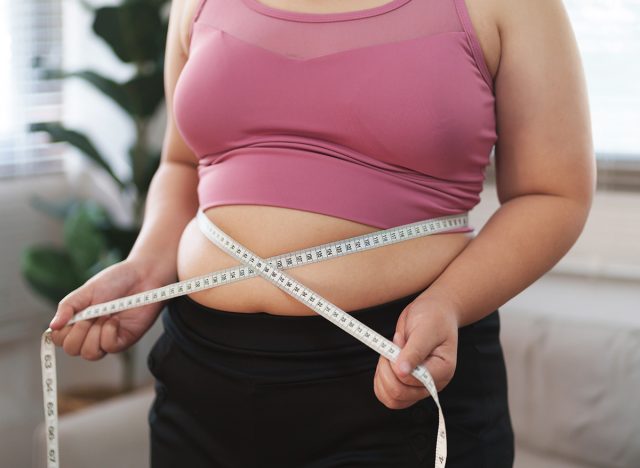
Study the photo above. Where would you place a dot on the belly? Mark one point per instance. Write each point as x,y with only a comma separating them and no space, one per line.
351,282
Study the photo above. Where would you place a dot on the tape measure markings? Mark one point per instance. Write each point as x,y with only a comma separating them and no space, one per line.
284,261
334,314
229,275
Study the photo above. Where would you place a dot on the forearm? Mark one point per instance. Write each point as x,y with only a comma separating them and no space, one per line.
523,239
171,203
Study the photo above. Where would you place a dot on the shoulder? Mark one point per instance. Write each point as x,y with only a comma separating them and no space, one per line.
184,12
542,110
527,15
483,17
500,22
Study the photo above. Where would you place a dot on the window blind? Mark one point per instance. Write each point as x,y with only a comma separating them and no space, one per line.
30,43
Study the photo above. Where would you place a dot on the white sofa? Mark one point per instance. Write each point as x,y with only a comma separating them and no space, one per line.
112,434
574,389
572,347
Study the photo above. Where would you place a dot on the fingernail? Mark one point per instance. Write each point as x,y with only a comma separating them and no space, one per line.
404,367
53,321
395,338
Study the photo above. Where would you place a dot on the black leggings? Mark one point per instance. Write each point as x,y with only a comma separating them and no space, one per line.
257,390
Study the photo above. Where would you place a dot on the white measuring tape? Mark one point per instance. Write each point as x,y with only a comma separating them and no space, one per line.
271,270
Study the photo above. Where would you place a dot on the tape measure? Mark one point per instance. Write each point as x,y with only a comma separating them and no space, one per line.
270,269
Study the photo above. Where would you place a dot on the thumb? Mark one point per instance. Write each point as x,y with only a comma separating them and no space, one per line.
419,344
112,342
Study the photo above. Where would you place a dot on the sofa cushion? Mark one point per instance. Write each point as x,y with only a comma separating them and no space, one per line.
530,458
574,385
112,433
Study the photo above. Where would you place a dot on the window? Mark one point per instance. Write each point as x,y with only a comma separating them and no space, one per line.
30,43
608,35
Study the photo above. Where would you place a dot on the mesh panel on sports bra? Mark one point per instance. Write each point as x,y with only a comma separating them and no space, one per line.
302,39
383,115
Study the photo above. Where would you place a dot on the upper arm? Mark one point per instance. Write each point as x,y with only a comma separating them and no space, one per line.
543,122
174,147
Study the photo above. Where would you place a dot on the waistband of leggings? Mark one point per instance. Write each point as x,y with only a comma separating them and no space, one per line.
262,331
195,325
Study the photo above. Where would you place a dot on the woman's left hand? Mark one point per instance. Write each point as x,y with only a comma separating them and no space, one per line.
427,333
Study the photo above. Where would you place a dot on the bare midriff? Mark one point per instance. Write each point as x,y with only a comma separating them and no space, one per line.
350,282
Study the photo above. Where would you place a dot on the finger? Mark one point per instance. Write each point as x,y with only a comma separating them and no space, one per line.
90,349
442,364
58,336
420,343
110,339
73,342
395,388
72,303
382,393
399,339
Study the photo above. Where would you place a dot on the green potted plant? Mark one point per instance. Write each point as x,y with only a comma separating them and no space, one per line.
135,30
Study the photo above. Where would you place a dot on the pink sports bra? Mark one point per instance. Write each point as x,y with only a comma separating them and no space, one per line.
383,116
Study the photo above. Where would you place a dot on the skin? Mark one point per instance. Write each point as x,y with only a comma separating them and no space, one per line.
545,173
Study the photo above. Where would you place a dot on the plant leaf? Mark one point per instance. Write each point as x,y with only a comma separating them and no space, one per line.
133,30
119,239
145,93
152,164
112,89
84,242
55,209
49,271
154,3
111,257
59,133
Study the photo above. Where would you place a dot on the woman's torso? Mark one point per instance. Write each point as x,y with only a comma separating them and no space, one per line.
351,282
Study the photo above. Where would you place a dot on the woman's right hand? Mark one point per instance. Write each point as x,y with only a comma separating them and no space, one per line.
92,339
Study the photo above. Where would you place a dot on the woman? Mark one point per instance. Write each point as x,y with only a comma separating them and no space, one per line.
351,117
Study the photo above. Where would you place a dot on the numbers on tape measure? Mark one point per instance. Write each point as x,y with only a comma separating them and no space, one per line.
377,342
270,269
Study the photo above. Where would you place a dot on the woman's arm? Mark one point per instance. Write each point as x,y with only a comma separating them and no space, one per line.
545,169
545,165
171,204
